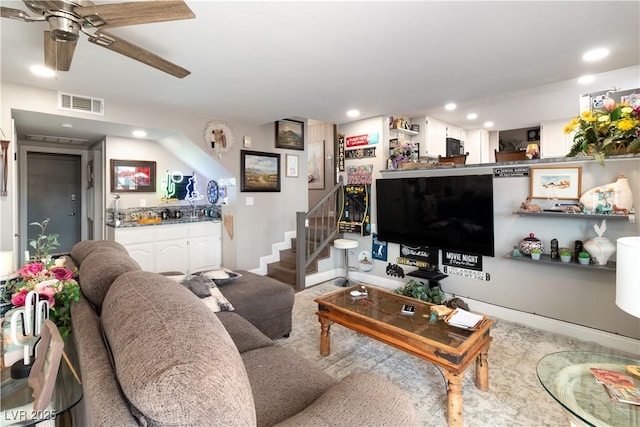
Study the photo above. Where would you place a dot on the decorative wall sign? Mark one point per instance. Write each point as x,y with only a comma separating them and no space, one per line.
464,272
340,152
378,249
462,259
361,174
218,136
365,262
360,140
507,172
361,153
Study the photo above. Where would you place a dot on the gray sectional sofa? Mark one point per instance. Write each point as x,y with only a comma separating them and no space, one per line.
151,353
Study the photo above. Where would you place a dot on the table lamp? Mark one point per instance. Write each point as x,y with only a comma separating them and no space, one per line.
628,275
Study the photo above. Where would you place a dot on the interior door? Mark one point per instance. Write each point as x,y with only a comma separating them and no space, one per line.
54,192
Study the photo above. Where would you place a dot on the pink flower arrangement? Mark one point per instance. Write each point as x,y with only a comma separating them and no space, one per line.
50,279
55,284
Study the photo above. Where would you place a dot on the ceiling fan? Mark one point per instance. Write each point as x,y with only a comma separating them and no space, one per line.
67,18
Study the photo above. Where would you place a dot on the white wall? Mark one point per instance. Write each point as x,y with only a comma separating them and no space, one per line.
255,227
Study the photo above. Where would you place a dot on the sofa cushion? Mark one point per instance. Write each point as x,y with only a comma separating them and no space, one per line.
98,271
383,404
103,402
167,345
283,383
244,335
263,301
82,249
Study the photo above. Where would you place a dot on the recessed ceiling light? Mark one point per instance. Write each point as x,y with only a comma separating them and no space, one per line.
139,133
586,79
42,71
450,106
595,54
472,116
66,125
353,113
488,124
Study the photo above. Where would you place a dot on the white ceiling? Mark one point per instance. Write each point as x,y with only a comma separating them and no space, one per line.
257,62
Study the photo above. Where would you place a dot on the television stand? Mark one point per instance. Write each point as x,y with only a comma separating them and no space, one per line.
433,276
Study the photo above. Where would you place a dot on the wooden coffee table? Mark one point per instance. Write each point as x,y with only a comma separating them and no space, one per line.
378,315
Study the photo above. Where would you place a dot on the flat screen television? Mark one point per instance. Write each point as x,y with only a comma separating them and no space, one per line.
445,212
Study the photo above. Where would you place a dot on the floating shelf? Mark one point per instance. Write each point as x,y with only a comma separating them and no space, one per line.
571,215
546,260
404,131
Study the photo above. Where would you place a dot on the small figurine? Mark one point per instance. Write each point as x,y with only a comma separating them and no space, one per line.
528,207
516,252
620,211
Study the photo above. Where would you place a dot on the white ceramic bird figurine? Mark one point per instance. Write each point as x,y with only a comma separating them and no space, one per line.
601,229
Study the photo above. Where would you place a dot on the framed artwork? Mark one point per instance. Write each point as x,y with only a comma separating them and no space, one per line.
259,171
129,176
315,165
555,183
291,166
290,134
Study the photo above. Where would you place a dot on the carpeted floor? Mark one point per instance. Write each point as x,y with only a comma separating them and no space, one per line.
515,396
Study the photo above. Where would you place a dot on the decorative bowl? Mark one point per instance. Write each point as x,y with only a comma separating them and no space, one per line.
528,243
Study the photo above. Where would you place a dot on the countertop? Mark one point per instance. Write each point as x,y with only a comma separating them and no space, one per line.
183,220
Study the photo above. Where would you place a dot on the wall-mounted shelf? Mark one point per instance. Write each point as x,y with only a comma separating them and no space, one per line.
572,215
404,131
546,260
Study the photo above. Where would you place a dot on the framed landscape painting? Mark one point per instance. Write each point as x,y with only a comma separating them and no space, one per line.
290,134
259,171
133,176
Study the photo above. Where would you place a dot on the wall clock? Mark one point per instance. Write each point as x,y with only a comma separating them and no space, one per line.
212,192
218,136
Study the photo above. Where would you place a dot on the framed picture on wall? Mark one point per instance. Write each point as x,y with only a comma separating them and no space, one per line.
555,183
133,176
291,166
259,171
315,165
290,134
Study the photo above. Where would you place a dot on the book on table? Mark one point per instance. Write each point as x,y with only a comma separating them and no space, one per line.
619,386
464,319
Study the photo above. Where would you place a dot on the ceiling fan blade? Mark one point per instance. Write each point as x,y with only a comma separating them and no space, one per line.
123,47
20,15
58,54
133,13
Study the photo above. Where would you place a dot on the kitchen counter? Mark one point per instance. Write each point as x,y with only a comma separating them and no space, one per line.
183,220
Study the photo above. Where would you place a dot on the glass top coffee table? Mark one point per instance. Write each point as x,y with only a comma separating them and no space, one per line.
378,314
568,379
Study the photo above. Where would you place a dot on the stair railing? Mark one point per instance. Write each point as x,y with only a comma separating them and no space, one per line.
315,230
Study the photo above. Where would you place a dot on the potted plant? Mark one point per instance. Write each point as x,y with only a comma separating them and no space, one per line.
536,253
422,291
565,255
584,258
615,129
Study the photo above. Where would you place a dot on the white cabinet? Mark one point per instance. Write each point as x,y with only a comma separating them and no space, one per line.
553,141
187,247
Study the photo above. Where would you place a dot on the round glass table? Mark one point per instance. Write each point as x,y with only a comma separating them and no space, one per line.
567,377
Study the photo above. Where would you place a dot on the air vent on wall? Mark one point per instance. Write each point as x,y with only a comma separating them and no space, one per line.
56,139
79,103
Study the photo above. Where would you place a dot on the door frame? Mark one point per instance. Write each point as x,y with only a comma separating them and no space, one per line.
22,185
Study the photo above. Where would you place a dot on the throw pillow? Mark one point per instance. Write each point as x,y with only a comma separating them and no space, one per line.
220,277
205,289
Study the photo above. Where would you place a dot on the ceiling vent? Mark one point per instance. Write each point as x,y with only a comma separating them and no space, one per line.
55,139
79,103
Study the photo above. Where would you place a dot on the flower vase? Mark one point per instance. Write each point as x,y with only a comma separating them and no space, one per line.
600,249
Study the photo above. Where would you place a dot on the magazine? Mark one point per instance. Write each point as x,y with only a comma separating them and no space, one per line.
619,386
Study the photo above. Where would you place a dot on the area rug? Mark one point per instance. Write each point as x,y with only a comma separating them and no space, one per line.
515,396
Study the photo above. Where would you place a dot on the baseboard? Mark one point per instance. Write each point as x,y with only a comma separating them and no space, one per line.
607,339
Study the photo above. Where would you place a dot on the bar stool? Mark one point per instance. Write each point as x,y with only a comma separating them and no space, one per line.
345,244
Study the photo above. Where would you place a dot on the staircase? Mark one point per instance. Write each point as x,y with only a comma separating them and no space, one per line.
315,230
285,269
